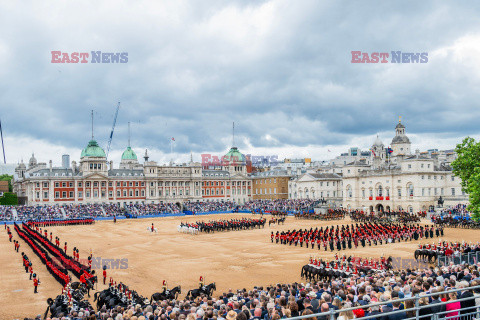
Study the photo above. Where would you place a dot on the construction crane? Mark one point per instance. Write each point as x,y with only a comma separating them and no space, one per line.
113,128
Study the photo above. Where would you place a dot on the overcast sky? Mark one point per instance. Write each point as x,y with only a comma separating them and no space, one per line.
281,70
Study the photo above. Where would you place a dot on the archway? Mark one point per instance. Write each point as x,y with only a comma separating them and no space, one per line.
379,207
387,208
371,208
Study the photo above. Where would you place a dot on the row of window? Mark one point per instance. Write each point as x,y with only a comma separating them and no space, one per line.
88,194
220,192
259,191
269,181
307,195
410,192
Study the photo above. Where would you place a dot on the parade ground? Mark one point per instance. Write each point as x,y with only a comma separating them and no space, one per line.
233,259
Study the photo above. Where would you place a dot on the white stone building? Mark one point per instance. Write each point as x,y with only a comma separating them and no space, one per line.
397,180
326,186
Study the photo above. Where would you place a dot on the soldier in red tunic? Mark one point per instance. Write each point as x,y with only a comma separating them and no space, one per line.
36,282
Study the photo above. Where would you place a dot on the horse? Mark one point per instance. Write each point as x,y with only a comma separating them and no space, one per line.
426,255
150,229
207,290
166,294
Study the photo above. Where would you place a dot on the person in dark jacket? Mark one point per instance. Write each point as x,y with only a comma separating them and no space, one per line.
437,309
467,305
396,316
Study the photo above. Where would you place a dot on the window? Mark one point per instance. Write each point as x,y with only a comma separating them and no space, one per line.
87,194
103,183
80,194
45,195
363,193
45,184
64,194
57,194
38,195
410,190
79,184
70,195
118,193
56,184
399,192
64,184
95,193
409,166
453,178
95,184
87,184
453,191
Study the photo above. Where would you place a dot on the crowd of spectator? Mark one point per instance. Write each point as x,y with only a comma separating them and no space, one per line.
358,291
298,205
202,206
148,209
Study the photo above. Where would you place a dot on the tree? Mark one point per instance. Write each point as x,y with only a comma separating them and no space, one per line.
9,199
6,177
467,167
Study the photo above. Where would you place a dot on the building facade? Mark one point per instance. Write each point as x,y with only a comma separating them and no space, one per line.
397,180
270,185
94,180
327,186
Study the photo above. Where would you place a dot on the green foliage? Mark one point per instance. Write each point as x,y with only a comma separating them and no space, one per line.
467,167
9,199
6,177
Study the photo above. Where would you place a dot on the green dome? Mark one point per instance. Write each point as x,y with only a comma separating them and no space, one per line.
234,155
93,150
129,154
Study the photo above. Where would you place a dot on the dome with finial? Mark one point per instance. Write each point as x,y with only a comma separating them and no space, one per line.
129,154
234,155
93,150
378,142
21,165
33,161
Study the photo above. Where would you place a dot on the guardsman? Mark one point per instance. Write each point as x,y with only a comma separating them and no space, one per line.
30,269
201,282
36,282
51,236
272,236
65,248
153,228
104,274
164,285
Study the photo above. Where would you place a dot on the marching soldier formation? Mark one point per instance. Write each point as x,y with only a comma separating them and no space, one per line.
226,225
67,222
352,236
